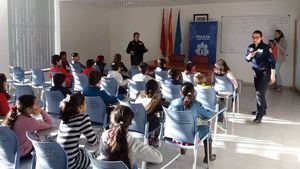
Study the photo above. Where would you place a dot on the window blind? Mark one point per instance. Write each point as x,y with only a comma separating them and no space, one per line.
31,33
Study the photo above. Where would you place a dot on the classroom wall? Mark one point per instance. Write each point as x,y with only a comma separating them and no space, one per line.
147,21
84,29
4,43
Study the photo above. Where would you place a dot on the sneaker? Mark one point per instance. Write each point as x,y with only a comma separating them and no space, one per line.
222,126
258,119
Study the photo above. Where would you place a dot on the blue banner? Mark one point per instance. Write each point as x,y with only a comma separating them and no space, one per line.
203,40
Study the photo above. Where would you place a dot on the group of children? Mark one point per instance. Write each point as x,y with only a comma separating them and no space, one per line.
116,143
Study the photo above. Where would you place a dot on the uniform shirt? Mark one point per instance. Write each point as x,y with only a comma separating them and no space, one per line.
263,60
139,49
107,99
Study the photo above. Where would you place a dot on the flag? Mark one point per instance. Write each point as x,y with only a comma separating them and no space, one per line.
178,40
163,36
170,36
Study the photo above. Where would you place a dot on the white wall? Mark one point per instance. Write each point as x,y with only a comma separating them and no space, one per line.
4,43
84,29
147,21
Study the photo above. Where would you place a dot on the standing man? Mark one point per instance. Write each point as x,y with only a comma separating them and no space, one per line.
263,65
136,49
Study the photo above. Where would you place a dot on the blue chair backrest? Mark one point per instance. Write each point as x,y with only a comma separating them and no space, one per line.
23,89
207,97
179,125
52,100
48,154
9,154
161,76
75,68
18,74
110,85
98,164
222,83
81,82
134,70
135,87
170,92
140,117
188,77
96,109
107,68
37,77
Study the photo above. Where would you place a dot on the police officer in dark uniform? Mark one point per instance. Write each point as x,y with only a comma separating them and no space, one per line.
263,64
136,49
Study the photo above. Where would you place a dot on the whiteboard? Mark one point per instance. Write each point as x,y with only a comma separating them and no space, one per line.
237,30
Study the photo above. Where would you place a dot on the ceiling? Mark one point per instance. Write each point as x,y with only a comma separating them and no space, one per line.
150,3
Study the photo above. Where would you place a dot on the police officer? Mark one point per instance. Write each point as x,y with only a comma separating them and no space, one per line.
263,65
136,49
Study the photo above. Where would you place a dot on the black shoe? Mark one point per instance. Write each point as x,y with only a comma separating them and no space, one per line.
182,151
213,157
254,112
258,119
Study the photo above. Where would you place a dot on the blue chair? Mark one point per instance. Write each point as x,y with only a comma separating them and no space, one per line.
23,89
75,68
134,70
47,154
96,109
207,97
181,126
52,101
135,87
81,82
187,77
223,84
110,85
99,164
38,79
9,153
18,75
161,76
139,127
170,92
107,68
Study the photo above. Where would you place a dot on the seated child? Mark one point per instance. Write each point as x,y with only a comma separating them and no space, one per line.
162,65
76,61
56,68
144,73
174,77
4,96
188,73
65,64
59,84
115,73
100,63
90,63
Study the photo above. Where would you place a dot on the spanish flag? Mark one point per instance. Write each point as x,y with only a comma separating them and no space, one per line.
170,36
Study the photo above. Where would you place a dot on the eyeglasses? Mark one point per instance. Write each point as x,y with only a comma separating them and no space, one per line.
255,37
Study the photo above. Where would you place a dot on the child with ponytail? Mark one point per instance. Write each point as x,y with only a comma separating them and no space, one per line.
74,122
188,103
116,144
20,120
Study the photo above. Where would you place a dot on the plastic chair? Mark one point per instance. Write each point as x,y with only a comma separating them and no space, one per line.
170,92
134,70
181,126
52,101
161,76
207,97
18,75
110,85
81,82
96,109
139,127
135,87
97,164
23,89
38,79
48,154
75,68
9,154
187,77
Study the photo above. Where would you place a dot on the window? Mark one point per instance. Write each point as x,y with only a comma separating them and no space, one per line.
31,33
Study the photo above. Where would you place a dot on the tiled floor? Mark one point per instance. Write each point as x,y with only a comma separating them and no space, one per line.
274,144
